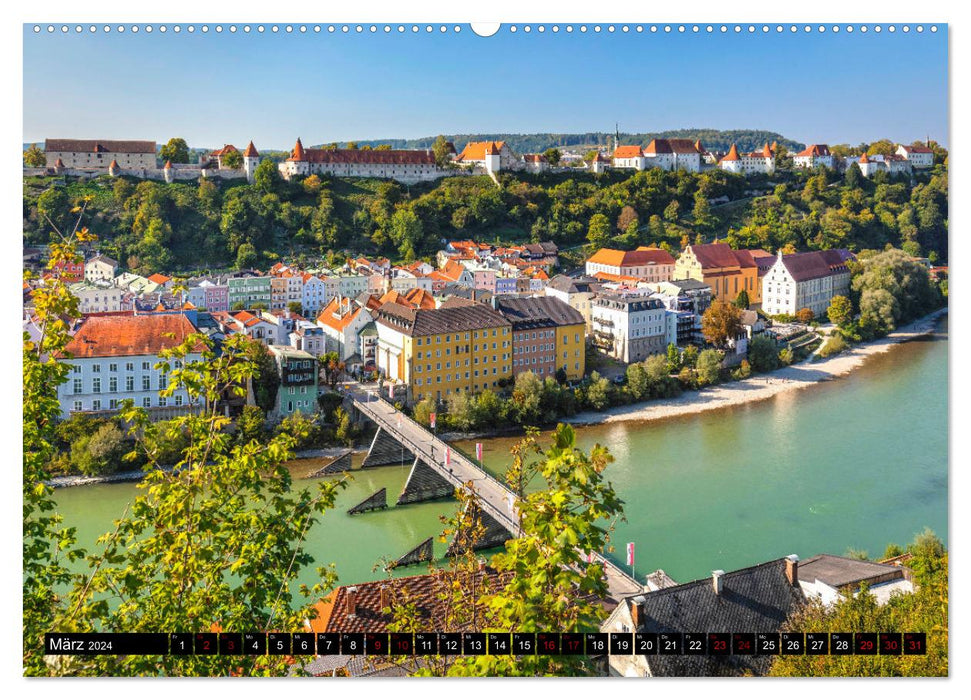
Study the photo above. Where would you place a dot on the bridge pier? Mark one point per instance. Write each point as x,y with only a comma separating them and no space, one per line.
423,552
495,535
341,463
385,449
424,484
376,501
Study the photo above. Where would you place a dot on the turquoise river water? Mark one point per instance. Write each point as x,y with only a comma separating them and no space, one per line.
853,463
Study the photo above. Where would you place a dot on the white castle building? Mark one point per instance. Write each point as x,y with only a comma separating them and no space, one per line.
760,161
403,166
99,154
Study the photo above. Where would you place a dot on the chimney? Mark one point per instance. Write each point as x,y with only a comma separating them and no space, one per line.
792,569
635,613
717,581
385,597
351,601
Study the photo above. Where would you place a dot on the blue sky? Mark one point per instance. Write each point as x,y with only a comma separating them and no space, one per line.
228,88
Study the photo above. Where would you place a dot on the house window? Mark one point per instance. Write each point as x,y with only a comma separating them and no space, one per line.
78,406
95,368
96,385
178,400
78,387
112,367
96,405
162,401
147,402
129,384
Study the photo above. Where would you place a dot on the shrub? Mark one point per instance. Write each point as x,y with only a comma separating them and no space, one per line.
709,367
834,345
762,354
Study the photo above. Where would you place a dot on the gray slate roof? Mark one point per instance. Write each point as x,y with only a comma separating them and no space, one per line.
538,312
756,599
843,571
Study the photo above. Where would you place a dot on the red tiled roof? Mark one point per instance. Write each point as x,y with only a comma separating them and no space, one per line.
712,255
628,152
420,298
625,258
113,164
672,146
864,158
298,153
534,158
228,148
373,157
339,313
423,590
250,151
732,154
158,278
815,149
116,336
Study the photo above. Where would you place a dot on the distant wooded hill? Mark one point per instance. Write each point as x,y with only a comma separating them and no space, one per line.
712,139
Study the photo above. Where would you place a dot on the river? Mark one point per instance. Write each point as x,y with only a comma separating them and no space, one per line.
853,463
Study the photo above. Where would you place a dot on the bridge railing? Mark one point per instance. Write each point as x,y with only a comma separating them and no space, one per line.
499,514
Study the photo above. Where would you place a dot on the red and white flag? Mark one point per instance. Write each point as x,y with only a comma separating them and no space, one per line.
630,554
478,451
431,420
448,456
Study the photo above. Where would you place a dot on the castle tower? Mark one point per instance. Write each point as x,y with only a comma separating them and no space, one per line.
167,171
113,169
298,160
732,162
865,165
492,158
251,158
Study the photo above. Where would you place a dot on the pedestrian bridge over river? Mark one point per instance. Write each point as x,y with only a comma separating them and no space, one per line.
400,439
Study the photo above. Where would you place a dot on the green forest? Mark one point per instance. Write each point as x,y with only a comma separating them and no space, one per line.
183,227
714,139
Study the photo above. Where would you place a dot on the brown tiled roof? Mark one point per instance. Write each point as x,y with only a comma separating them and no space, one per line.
722,255
98,146
424,591
815,264
918,149
113,164
114,336
420,298
374,157
449,319
251,151
534,158
672,146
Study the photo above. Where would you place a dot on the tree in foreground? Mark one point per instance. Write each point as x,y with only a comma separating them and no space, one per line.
925,610
840,310
545,579
215,543
232,160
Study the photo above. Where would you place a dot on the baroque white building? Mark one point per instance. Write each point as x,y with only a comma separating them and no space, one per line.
805,281
815,155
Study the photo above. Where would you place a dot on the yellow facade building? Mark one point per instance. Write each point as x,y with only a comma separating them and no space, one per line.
439,352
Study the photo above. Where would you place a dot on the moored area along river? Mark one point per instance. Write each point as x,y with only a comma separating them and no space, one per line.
853,463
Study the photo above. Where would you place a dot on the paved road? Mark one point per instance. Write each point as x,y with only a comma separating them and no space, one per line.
495,497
